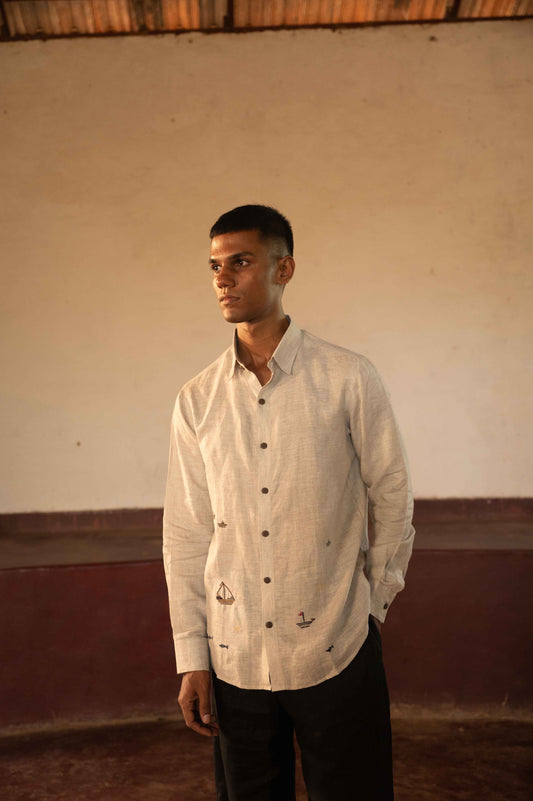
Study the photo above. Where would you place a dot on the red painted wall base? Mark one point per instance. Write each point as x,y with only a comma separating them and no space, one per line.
83,642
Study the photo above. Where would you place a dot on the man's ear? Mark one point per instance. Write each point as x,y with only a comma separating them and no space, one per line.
286,268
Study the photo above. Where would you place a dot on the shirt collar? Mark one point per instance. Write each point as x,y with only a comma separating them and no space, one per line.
284,355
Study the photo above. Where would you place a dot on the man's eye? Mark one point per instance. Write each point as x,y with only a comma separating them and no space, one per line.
214,267
241,263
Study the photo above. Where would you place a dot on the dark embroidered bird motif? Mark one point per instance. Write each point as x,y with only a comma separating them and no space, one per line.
221,645
328,543
330,649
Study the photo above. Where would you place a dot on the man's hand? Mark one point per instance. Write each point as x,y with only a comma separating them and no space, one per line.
195,702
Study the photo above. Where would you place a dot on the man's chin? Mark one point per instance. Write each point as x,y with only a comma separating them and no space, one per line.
233,316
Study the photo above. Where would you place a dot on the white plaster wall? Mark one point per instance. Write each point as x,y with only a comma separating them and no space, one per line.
403,157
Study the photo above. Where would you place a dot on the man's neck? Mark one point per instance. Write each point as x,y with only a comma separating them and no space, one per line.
256,342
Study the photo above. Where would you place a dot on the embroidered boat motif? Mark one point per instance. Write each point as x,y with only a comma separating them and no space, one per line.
225,595
222,524
303,623
221,645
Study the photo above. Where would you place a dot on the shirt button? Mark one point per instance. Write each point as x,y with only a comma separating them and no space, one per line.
261,401
385,606
265,533
267,579
269,624
265,490
264,445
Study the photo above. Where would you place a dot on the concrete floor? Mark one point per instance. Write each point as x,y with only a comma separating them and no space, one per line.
436,759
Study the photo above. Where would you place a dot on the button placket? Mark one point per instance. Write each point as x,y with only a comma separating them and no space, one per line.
264,455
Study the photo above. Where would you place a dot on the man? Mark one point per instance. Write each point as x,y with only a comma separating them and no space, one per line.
276,594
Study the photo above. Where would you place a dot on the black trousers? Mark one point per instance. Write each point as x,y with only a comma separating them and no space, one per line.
342,726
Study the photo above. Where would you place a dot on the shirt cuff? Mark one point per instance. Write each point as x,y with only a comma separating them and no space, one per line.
192,654
380,601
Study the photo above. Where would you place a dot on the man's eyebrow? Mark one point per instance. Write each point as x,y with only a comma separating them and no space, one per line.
234,256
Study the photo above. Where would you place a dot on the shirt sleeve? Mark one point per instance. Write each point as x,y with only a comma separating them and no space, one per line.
187,532
384,471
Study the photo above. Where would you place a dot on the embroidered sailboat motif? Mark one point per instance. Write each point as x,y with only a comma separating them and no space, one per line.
222,524
303,623
224,594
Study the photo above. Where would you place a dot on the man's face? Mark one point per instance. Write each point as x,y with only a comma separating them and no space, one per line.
246,276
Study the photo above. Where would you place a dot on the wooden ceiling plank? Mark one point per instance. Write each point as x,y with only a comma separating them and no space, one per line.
136,11
65,17
126,16
359,11
399,10
221,13
268,14
488,6
183,14
29,15
351,12
195,14
303,10
42,13
101,19
255,13
148,15
475,8
312,11
506,8
171,17
115,23
336,12
66,14
4,27
78,18
14,19
278,13
427,10
381,11
58,19
212,13
89,15
369,10
323,13
206,12
239,13
414,11
291,12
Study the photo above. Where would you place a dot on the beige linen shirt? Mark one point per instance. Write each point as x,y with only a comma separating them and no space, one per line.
270,573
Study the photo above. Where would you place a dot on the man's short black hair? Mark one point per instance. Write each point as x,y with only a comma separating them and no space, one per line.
269,222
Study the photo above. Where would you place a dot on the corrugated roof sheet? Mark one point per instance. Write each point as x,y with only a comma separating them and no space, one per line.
35,18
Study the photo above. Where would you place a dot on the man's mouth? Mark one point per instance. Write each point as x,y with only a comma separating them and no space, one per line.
227,300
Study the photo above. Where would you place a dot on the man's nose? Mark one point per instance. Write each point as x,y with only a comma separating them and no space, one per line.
224,277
